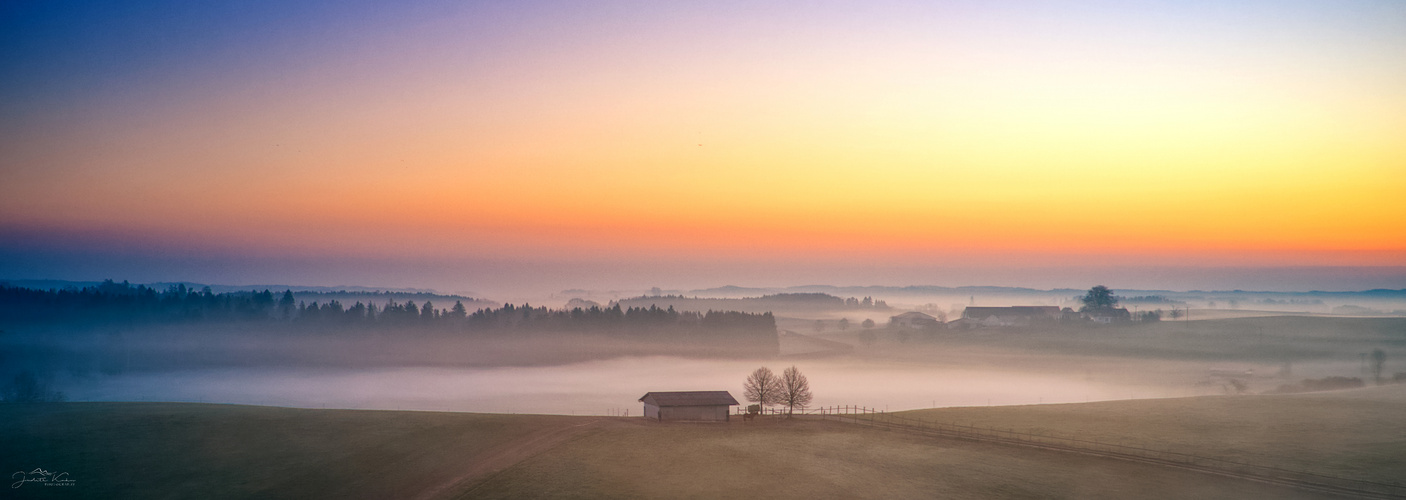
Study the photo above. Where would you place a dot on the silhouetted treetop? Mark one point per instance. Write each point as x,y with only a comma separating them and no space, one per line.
1099,298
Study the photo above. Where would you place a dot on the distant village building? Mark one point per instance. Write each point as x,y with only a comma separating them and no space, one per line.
1107,316
999,317
710,406
913,320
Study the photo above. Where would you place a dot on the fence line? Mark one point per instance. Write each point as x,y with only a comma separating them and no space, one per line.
871,417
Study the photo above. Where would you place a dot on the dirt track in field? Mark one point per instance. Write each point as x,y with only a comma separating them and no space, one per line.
499,458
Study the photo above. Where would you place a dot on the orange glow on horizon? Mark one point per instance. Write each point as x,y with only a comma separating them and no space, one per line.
1009,149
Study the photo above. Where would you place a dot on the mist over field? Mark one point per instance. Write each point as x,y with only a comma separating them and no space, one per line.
621,249
1201,376
103,344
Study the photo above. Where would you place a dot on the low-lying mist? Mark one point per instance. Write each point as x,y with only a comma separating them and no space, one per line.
600,387
181,345
584,375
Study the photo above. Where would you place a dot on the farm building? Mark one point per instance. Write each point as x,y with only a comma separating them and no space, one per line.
1119,315
1010,316
693,405
913,320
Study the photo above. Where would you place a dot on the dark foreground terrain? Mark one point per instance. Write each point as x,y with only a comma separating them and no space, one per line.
170,450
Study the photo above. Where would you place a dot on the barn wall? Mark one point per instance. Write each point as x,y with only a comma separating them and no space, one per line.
709,413
651,411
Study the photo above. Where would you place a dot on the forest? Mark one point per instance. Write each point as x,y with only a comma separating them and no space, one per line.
781,303
127,305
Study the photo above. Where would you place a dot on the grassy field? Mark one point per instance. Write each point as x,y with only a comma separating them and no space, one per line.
808,460
170,450
1280,350
1270,340
161,450
1359,434
182,450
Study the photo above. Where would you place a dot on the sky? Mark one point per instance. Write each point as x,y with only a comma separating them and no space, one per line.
512,146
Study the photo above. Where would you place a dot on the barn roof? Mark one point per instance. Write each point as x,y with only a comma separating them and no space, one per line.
914,315
982,312
689,398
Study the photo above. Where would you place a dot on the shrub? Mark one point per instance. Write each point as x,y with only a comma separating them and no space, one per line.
1321,384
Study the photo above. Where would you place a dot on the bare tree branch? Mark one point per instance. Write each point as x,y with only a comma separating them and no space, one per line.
795,390
762,387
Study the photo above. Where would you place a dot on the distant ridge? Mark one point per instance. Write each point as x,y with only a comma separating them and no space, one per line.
162,285
870,290
737,291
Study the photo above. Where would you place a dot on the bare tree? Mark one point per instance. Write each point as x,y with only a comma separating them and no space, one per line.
1378,363
795,390
762,387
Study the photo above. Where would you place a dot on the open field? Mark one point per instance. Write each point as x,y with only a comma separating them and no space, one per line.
1356,434
154,450
173,450
1269,340
810,459
1280,350
182,450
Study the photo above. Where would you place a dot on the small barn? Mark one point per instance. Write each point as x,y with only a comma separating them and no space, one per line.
996,317
913,320
711,406
1109,315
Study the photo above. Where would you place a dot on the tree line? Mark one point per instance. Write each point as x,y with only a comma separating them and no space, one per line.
123,302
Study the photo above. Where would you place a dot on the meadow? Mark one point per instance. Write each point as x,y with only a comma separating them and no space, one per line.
117,449
1354,434
174,450
1277,349
1265,340
184,450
